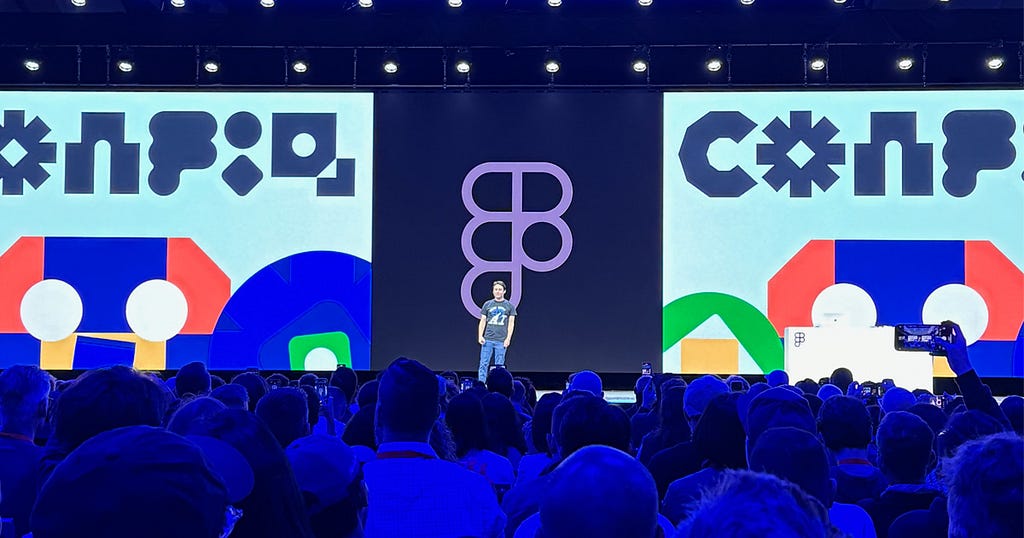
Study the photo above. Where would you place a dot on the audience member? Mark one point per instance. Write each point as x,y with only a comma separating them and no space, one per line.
776,408
286,413
985,494
897,399
643,393
505,429
499,380
24,400
327,474
737,383
845,427
190,418
699,393
308,380
540,457
255,387
368,394
410,491
216,381
231,395
841,378
777,378
1013,408
194,379
361,428
829,390
345,379
468,425
644,421
807,386
674,428
312,405
589,381
813,402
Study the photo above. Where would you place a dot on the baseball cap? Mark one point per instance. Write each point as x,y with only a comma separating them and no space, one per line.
324,466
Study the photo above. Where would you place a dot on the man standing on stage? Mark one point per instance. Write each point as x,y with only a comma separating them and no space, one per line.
494,333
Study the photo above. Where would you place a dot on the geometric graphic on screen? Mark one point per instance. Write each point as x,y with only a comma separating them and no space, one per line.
970,282
748,325
77,302
297,303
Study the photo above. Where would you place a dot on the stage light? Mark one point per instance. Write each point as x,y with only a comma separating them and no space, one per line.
365,3
300,66
817,64
32,64
177,3
639,66
462,66
714,59
839,1
552,66
211,66
641,59
905,63
645,3
267,3
125,66
995,62
390,67
817,58
554,3
714,65
454,3
747,2
78,3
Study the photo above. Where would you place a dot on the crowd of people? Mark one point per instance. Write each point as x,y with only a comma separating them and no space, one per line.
122,453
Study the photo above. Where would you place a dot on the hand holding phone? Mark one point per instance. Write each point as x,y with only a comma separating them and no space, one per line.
645,369
933,339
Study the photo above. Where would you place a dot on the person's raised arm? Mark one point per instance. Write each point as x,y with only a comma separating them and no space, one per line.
977,395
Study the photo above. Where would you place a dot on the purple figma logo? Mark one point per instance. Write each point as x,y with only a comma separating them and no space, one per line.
520,220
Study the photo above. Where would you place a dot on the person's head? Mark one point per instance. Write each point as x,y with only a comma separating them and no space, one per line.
308,379
828,391
361,428
189,418
797,456
640,386
194,379
255,387
931,415
24,396
964,427
1013,408
312,405
589,381
844,424
407,402
327,473
699,393
345,379
275,506
904,448
807,386
897,399
367,396
132,481
498,290
216,381
743,404
719,436
814,403
584,420
985,493
771,508
104,399
518,392
777,408
232,395
541,427
286,414
841,377
467,424
672,417
777,378
600,492
499,380
503,424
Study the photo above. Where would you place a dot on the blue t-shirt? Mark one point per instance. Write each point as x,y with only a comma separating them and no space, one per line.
497,314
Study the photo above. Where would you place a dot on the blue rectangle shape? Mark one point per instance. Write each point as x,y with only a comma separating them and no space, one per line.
18,349
98,352
992,358
104,272
186,348
899,275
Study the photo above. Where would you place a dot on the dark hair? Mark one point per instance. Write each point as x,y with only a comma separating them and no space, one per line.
281,379
216,381
518,391
808,386
931,415
499,380
1013,408
841,377
673,424
501,283
308,379
232,395
255,386
797,456
503,423
964,427
367,396
813,402
360,430
467,424
191,416
408,399
193,378
719,436
275,506
541,422
844,422
345,379
312,404
531,391
904,447
286,414
585,420
103,399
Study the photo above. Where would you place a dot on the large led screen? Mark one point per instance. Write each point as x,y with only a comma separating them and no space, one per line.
840,210
155,228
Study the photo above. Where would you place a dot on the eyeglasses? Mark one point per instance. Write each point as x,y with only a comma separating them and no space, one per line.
231,517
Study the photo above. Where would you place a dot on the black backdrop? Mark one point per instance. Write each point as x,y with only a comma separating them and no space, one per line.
601,308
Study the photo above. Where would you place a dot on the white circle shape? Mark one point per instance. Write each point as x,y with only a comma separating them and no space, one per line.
303,144
844,305
156,310
51,310
958,303
321,359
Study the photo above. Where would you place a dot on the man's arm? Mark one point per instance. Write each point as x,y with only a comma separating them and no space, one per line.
977,395
480,329
511,327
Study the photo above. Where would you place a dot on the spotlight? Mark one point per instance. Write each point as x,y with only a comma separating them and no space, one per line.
995,62
267,3
817,58
839,1
125,66
211,66
78,3
714,59
32,64
365,3
817,64
300,66
747,2
390,67
177,3
552,66
554,3
639,66
641,59
645,3
454,3
462,66
905,63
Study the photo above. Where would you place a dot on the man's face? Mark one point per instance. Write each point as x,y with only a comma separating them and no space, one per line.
499,292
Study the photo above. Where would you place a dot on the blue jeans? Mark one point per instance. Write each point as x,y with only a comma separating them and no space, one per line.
485,357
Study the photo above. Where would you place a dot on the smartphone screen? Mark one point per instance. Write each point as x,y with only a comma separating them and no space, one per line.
645,369
321,390
918,337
